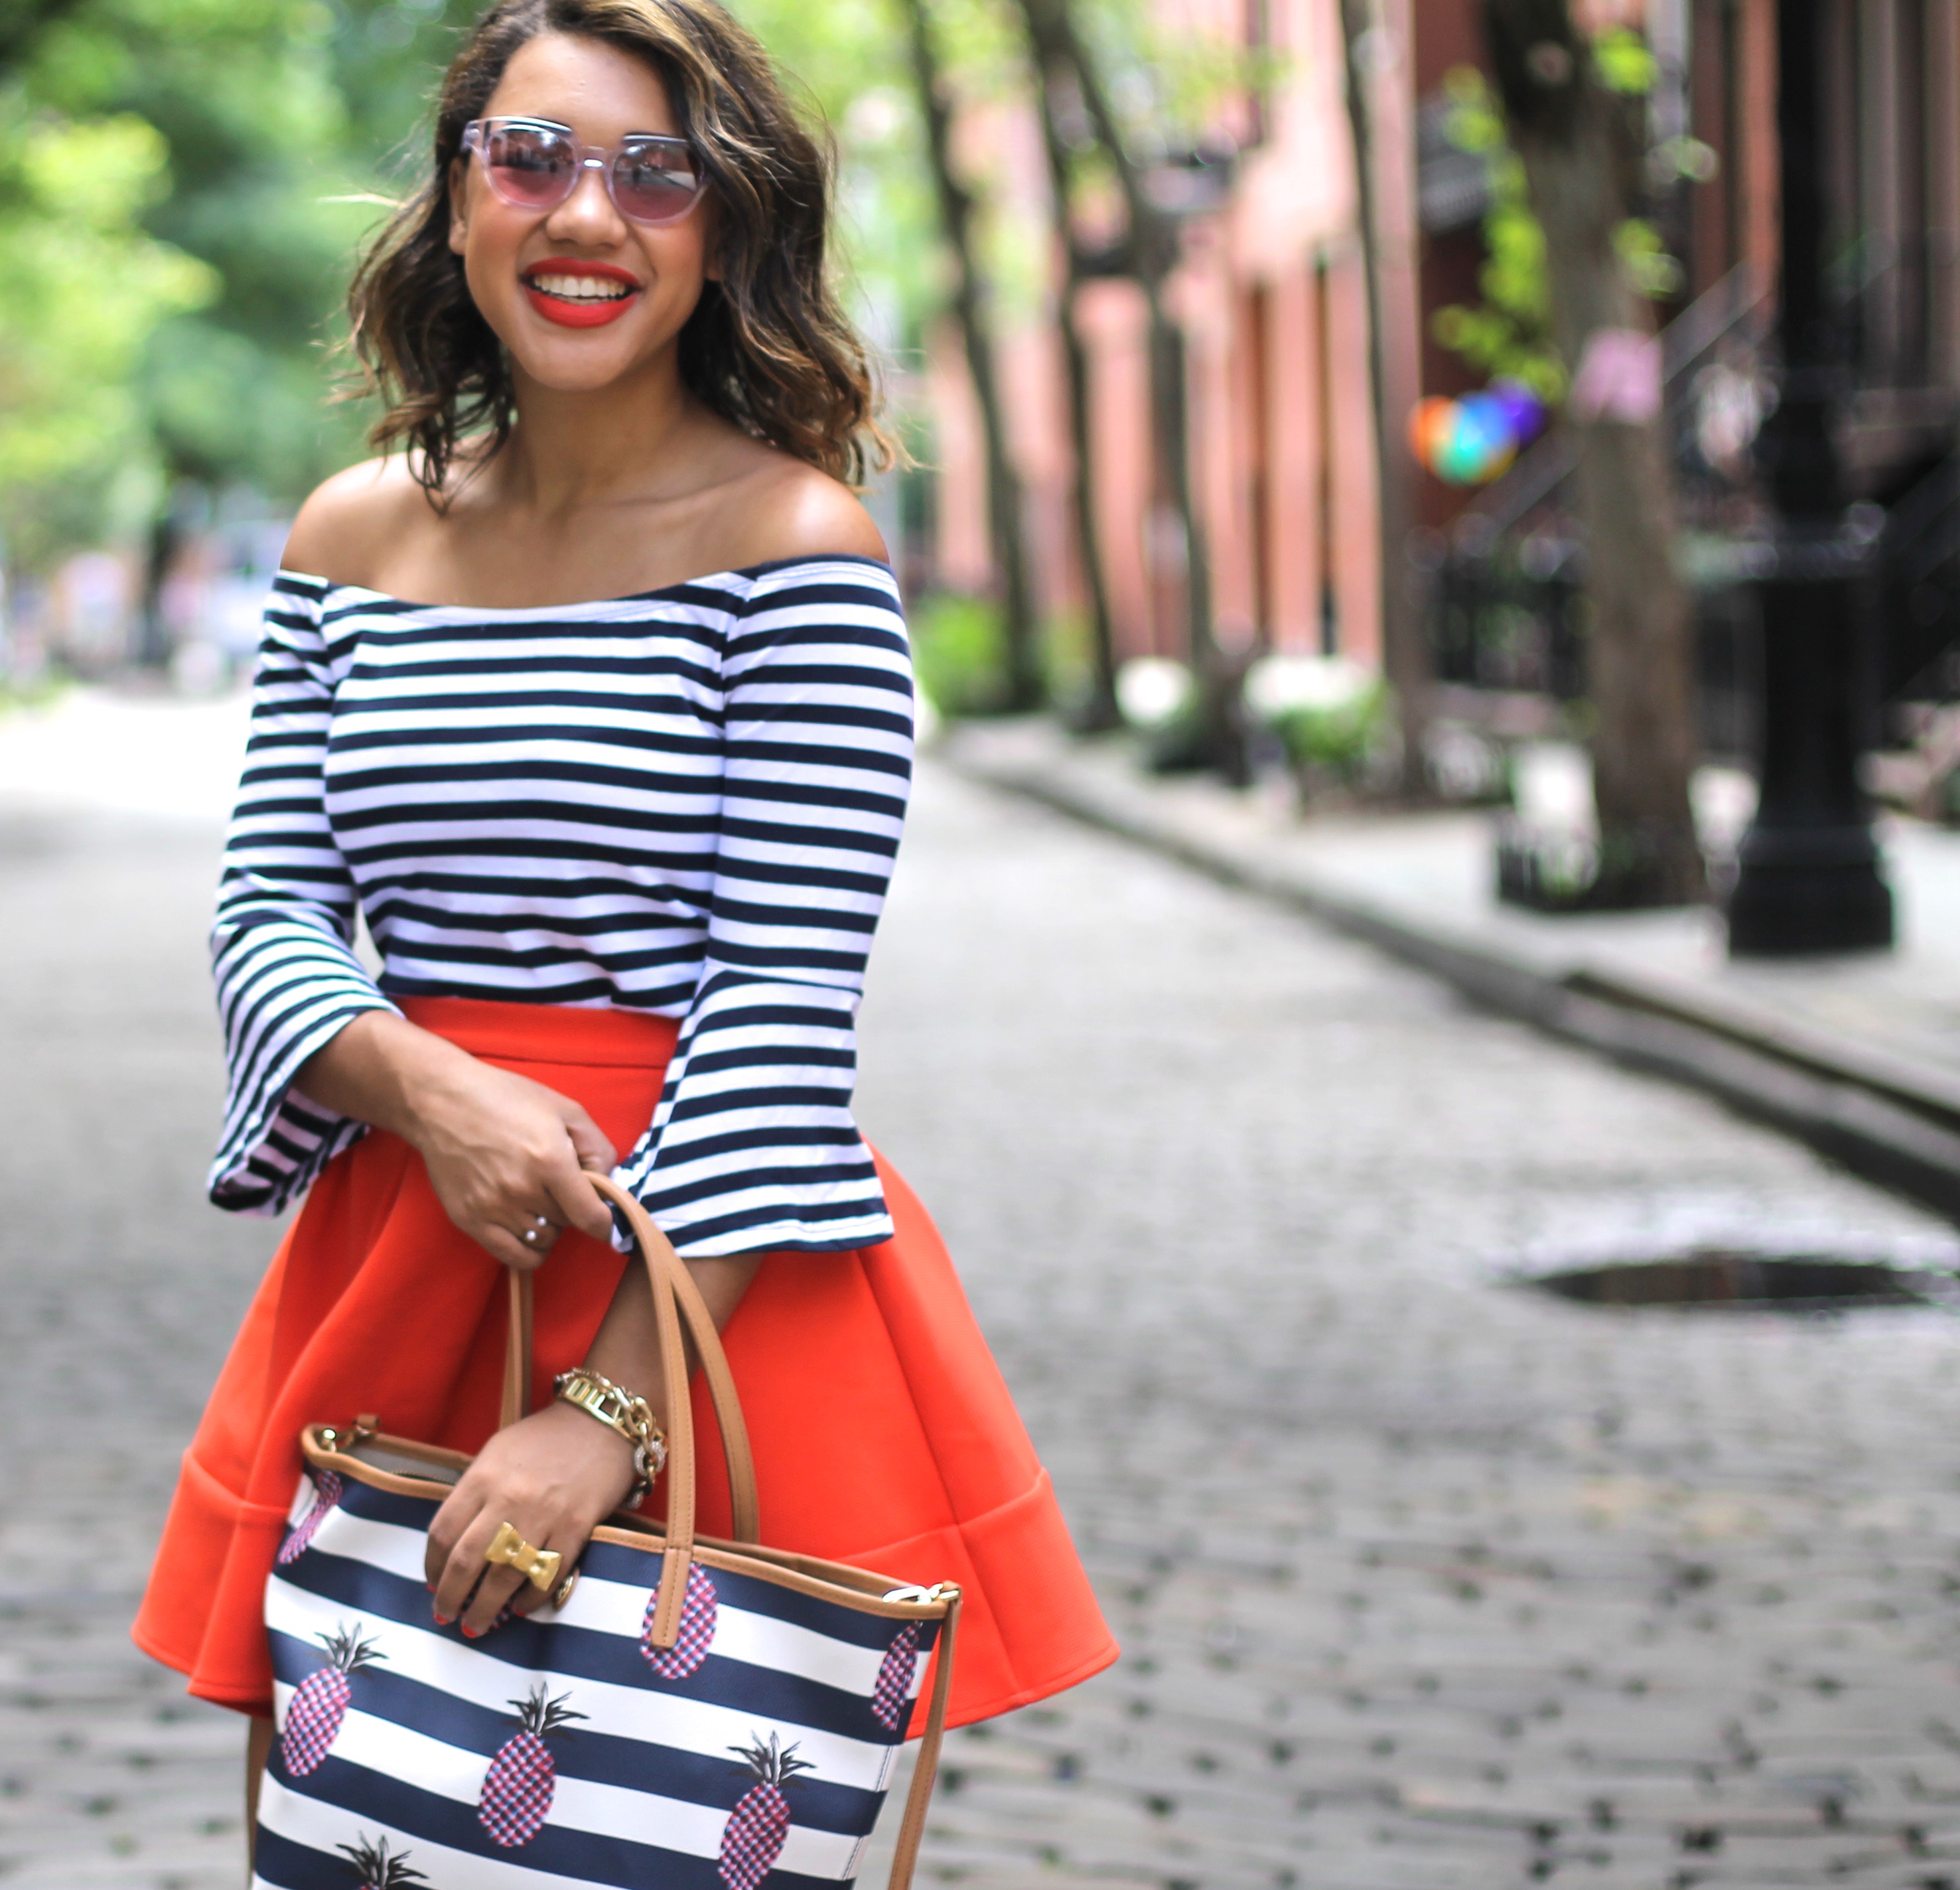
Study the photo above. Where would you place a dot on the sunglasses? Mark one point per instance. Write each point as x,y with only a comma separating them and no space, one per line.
534,164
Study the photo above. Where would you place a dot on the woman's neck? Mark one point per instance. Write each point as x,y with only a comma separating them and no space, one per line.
569,450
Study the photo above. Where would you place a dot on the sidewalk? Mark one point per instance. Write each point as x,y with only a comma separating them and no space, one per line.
126,750
1860,1056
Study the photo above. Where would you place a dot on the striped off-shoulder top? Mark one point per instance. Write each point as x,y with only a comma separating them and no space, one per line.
686,802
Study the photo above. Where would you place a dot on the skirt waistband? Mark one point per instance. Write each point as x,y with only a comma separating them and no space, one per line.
547,1033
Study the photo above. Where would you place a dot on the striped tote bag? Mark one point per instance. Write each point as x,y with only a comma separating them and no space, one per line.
697,1714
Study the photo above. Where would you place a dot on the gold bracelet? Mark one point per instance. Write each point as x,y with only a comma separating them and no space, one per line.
619,1409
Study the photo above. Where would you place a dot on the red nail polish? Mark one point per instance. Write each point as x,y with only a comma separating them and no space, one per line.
469,1633
443,1620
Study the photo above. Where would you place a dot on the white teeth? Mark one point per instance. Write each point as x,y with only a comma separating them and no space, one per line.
581,288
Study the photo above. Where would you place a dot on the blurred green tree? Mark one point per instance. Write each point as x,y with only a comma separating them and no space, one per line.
208,165
83,288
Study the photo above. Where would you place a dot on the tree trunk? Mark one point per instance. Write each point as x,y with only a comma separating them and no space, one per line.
1579,155
1052,66
1024,687
1098,711
1405,652
1215,738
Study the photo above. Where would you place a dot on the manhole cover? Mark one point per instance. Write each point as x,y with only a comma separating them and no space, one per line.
1718,1279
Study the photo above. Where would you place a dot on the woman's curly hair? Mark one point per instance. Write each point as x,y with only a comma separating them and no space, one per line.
767,347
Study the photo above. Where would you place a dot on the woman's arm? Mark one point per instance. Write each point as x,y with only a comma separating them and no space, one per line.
816,732
282,938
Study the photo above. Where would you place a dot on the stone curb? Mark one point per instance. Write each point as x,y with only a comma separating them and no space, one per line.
1886,1117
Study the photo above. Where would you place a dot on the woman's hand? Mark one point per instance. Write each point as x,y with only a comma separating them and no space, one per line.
553,1477
507,1156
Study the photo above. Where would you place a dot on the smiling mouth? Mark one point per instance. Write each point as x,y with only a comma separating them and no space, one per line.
587,291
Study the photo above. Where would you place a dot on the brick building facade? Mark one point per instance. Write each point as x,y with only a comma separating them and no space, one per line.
1272,296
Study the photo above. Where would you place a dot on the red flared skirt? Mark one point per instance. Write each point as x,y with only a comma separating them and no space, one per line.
883,1434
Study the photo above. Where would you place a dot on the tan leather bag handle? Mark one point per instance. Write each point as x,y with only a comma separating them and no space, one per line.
517,1350
675,1298
919,1800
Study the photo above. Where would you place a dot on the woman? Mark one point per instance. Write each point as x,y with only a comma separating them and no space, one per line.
594,702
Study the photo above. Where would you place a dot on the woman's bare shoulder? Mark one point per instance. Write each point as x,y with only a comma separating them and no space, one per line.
351,517
789,510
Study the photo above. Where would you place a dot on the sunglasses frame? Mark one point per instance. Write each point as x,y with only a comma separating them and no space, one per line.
477,136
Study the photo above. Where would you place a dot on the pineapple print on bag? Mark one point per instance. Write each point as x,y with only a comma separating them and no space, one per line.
319,1701
522,1778
376,1869
759,1824
893,1692
698,1610
326,1494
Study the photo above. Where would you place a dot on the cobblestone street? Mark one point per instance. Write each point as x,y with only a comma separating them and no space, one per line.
1422,1579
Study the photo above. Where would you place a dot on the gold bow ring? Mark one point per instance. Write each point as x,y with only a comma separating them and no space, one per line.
538,1566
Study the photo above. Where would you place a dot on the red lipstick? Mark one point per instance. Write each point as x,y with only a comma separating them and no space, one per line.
568,311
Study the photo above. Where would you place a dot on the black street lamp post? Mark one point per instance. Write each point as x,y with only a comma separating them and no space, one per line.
1809,879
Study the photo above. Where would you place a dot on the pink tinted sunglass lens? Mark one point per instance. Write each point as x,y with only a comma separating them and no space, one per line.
530,167
649,192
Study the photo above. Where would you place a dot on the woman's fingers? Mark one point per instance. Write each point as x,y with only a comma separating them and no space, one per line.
539,1232
502,1151
503,1245
530,1598
444,1530
470,1589
588,1142
519,1222
473,1590
577,1203
553,1477
452,1559
497,1587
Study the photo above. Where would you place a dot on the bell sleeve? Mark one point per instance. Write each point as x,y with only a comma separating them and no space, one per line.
282,946
752,1145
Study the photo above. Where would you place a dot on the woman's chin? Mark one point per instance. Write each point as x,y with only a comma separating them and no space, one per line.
586,366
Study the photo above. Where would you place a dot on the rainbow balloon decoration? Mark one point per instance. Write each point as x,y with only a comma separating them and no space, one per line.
1470,441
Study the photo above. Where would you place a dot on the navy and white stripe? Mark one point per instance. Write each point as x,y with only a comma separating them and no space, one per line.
686,802
645,1782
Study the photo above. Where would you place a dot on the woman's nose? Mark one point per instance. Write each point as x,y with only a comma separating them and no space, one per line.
589,205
